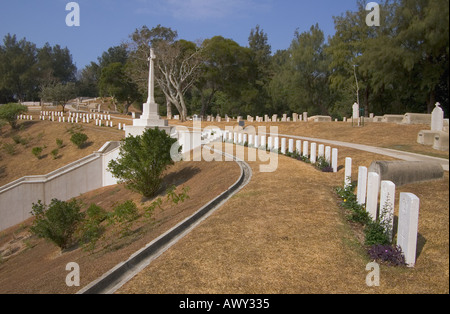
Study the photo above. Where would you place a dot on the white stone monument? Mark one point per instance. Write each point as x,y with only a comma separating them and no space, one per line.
408,225
150,118
437,119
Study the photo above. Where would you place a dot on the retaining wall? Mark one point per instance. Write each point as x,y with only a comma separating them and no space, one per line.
84,175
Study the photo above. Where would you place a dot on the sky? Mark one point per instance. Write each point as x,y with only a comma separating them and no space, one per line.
108,23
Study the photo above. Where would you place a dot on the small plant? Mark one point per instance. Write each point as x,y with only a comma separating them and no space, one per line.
79,139
387,254
375,233
10,148
59,143
91,229
124,215
323,165
37,152
57,222
55,154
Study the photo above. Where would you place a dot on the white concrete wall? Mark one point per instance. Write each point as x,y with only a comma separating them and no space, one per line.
84,175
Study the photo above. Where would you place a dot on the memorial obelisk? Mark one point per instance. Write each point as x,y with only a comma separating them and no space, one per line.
150,118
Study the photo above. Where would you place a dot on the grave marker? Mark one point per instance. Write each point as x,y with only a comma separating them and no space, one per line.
408,225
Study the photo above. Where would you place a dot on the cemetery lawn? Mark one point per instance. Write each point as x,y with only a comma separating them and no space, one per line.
38,266
285,233
17,160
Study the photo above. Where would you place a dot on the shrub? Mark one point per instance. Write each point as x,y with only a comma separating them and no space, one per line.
387,254
375,233
124,215
79,139
55,153
59,143
142,160
37,152
91,229
57,222
9,113
10,148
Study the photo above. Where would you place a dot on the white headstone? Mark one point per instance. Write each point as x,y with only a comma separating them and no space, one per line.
408,225
276,143
373,188
437,119
298,147
348,172
334,160
362,185
387,203
321,152
328,154
305,148
269,143
291,145
256,144
313,154
263,141
355,114
283,146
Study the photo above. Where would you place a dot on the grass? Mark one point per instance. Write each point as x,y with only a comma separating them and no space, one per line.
283,233
17,160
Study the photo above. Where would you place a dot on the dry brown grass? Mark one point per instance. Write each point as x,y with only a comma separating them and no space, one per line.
44,133
40,267
284,233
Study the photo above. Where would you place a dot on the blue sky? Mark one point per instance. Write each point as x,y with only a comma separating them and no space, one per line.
107,23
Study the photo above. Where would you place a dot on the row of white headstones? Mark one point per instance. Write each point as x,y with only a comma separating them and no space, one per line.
371,191
100,119
378,196
311,150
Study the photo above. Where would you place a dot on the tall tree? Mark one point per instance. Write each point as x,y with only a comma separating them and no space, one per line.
115,82
18,70
177,69
346,47
262,55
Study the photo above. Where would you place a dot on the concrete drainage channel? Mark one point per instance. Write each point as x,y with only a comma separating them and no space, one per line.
114,279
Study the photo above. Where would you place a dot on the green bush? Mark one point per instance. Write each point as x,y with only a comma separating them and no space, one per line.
375,234
60,143
57,222
91,229
142,160
10,148
124,215
37,152
79,139
55,153
9,113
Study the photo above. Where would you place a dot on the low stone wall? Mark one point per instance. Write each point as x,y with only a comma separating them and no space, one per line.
84,175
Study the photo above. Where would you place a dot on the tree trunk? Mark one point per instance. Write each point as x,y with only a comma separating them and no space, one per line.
431,102
169,109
